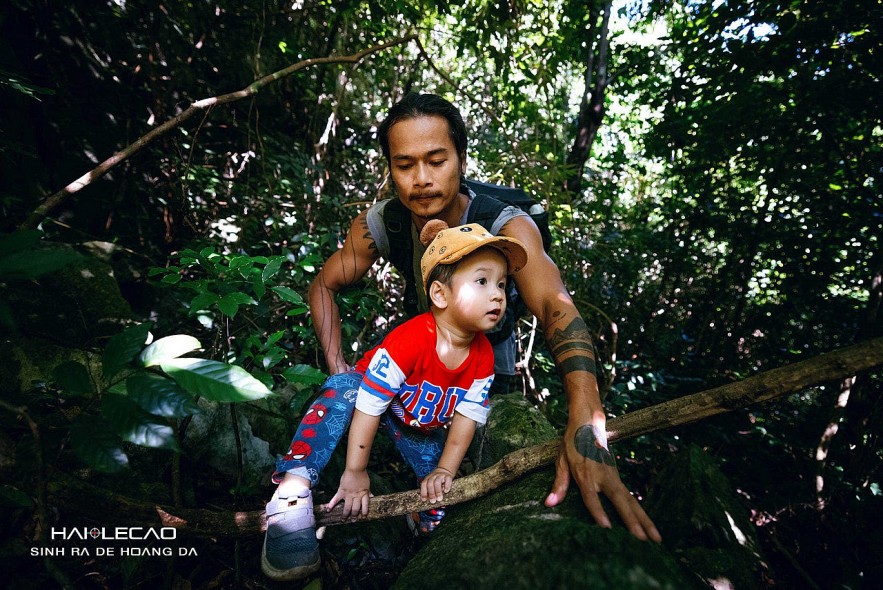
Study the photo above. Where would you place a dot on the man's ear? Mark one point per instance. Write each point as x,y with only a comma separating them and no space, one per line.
438,294
463,164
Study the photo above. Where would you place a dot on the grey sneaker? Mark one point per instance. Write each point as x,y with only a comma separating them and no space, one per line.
291,550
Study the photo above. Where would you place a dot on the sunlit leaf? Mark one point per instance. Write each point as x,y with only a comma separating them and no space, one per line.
168,348
215,380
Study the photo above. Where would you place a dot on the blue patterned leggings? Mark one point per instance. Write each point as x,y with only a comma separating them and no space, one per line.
327,420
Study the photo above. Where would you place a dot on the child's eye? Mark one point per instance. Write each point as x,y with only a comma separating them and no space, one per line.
502,285
481,281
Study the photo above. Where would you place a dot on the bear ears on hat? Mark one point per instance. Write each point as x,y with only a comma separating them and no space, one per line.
430,230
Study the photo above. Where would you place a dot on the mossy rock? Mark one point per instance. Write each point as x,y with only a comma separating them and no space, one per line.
513,424
698,513
76,306
32,360
511,540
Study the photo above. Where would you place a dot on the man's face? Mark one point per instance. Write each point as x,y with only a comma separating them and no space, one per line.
425,165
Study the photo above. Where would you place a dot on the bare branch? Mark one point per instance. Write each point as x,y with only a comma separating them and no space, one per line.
92,500
205,104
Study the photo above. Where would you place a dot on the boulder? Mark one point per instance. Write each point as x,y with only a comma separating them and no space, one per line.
210,439
703,520
510,539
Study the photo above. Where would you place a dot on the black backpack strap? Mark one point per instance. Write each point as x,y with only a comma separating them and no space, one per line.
484,210
397,221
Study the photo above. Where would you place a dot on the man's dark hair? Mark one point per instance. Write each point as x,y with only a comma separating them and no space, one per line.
424,105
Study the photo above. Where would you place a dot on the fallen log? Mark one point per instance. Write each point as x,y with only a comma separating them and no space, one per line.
91,500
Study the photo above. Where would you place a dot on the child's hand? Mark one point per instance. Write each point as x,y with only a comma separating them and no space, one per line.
436,484
354,491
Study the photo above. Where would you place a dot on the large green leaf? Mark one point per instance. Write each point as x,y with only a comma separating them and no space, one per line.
169,347
135,425
304,374
214,380
160,396
72,378
95,443
123,348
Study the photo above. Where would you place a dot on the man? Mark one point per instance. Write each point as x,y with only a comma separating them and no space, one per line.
424,141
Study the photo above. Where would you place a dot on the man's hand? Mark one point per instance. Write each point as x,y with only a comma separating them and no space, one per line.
585,456
435,485
354,491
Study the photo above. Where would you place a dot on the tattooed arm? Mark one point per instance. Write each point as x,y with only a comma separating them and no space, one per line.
584,453
343,268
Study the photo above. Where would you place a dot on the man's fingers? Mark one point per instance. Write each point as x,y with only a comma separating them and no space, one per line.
593,503
628,508
562,481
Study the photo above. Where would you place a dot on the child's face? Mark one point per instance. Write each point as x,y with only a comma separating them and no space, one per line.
478,290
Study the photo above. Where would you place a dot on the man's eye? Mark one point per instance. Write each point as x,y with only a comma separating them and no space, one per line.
403,166
437,163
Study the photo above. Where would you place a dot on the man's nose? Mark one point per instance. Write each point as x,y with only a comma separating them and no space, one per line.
422,176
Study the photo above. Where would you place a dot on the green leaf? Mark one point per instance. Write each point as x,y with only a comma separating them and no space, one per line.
296,311
11,497
203,301
160,396
229,303
169,347
272,268
214,380
34,263
18,241
135,425
228,307
123,348
259,288
304,374
289,295
95,443
73,378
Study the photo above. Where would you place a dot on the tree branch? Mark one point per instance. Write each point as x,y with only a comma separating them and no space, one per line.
92,500
205,104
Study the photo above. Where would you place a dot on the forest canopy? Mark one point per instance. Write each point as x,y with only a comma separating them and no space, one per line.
711,170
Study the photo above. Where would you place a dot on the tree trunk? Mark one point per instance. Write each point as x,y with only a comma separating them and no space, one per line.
591,109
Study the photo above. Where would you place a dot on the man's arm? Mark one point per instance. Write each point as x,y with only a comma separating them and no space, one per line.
343,268
584,453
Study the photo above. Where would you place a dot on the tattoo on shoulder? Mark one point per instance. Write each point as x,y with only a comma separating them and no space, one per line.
584,441
572,348
363,222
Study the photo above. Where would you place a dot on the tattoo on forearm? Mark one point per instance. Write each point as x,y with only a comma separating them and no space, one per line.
577,363
575,343
584,441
